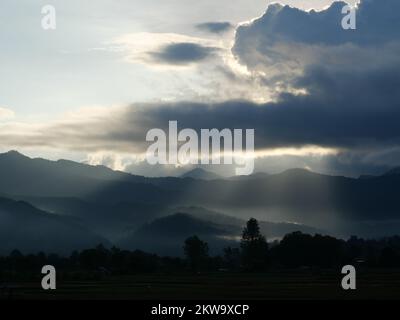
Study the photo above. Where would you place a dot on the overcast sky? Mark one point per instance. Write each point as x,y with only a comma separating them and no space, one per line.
318,96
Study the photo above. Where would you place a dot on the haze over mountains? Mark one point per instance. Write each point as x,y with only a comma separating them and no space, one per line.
29,229
202,174
68,206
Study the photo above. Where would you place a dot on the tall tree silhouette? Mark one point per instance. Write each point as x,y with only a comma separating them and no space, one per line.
254,247
196,252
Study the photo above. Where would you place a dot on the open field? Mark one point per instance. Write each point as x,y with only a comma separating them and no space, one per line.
377,284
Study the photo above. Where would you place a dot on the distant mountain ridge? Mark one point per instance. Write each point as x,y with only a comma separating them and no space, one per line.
199,173
114,204
28,229
170,231
166,235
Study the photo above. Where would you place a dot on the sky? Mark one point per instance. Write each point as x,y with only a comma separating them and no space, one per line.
319,97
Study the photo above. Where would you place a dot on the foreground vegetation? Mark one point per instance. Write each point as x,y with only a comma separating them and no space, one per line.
299,266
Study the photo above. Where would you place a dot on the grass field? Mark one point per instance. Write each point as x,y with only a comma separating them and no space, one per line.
377,284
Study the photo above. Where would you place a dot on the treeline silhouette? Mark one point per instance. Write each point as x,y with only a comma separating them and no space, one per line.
295,250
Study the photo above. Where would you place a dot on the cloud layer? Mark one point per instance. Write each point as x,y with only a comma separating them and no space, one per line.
333,88
182,53
215,27
285,40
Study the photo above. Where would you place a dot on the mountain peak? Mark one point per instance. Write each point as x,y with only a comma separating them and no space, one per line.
13,154
199,173
297,171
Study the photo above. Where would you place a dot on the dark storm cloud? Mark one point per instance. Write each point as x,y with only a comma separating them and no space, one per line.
215,27
364,115
182,53
377,23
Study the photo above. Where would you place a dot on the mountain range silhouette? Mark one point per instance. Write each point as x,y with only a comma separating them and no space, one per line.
64,205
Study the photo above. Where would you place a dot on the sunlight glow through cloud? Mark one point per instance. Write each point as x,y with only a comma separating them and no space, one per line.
6,114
